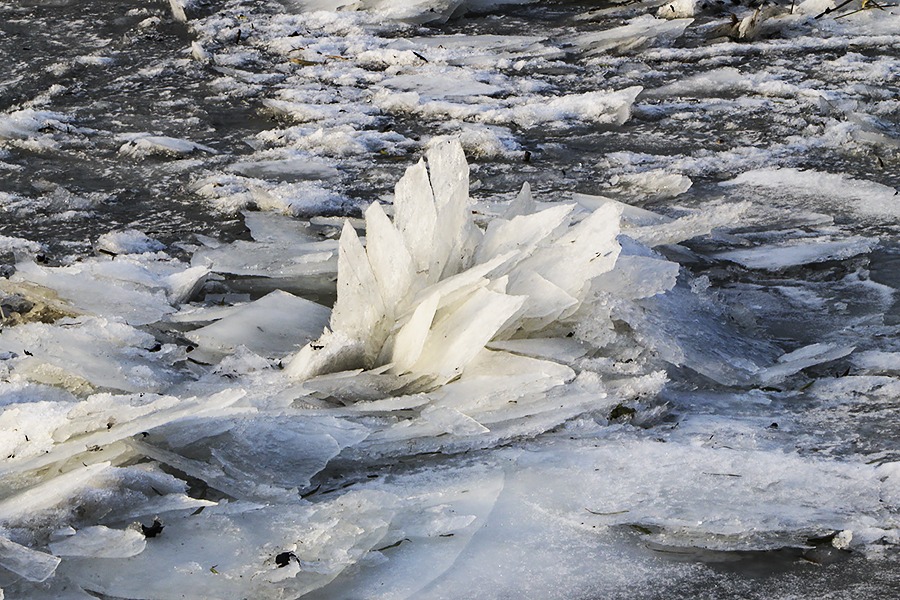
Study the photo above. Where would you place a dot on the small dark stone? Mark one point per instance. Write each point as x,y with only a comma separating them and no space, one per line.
526,157
773,426
284,559
153,530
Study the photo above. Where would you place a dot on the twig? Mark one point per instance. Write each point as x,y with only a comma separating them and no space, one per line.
831,10
852,12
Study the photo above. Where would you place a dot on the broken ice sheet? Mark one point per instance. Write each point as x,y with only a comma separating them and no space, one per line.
87,354
101,542
276,450
25,562
304,268
272,326
803,251
232,549
138,291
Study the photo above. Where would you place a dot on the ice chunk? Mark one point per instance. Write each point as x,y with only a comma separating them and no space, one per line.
360,310
143,145
288,169
522,233
129,241
392,264
246,550
795,361
432,548
415,215
455,339
272,326
457,235
447,83
23,504
131,289
88,353
804,251
677,9
25,562
839,191
565,350
273,228
406,346
101,542
299,267
640,31
653,184
638,277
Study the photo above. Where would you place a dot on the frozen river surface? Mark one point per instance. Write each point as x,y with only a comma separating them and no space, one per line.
609,289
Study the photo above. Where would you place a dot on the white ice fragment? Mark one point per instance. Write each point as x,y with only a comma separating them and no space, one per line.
690,226
391,262
128,241
230,550
656,183
639,32
182,285
834,190
632,216
25,562
415,215
455,339
588,249
334,351
271,260
24,503
522,204
359,311
804,251
677,9
799,359
447,83
457,235
101,542
414,11
409,340
144,145
198,52
103,420
449,420
287,169
26,124
564,350
88,353
522,233
609,107
877,361
125,288
178,9
272,326
638,277
274,228
546,301
842,539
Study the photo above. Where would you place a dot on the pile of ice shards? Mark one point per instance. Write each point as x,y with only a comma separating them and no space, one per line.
176,449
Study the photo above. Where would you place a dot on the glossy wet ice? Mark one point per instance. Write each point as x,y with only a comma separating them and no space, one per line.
725,482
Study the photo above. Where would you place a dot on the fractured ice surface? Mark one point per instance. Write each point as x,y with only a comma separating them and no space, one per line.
458,414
